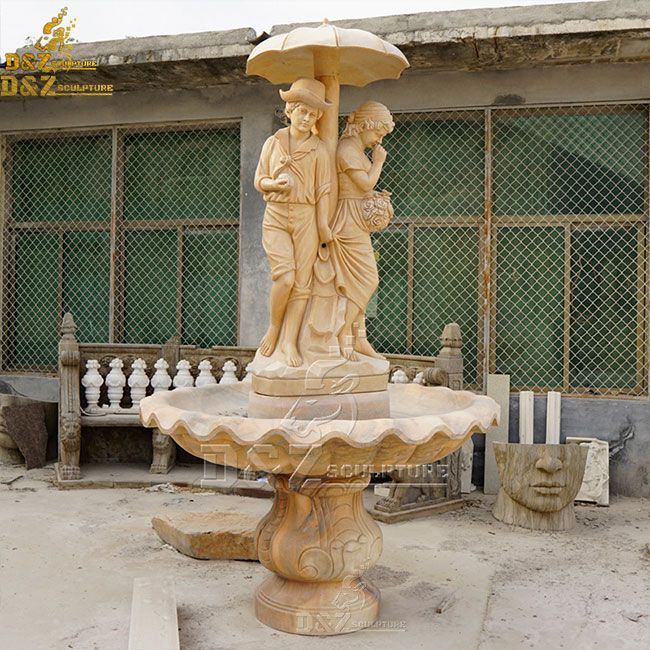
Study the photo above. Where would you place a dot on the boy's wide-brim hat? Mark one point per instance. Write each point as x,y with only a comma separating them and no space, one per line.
308,91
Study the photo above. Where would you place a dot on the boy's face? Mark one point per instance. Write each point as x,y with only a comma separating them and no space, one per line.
304,117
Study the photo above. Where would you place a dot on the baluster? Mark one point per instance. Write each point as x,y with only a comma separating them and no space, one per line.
183,378
229,376
248,377
399,377
92,382
115,381
205,374
138,381
161,379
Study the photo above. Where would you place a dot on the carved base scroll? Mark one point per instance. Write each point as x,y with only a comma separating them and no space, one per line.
317,540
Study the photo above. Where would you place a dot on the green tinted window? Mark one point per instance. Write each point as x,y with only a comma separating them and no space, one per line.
435,167
604,290
387,330
86,280
62,179
553,164
36,313
529,305
182,175
210,287
445,289
150,286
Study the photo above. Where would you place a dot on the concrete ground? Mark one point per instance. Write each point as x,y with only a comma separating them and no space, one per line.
459,580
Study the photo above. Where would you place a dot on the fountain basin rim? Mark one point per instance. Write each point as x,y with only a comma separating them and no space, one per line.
163,410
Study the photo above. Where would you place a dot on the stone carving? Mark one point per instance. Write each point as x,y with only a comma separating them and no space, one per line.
69,447
229,376
339,542
399,377
161,379
205,374
538,484
164,453
92,382
595,483
294,177
183,378
359,211
115,382
69,402
466,463
248,377
314,365
138,381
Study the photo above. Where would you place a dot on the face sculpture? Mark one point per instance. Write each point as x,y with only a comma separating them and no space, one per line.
302,117
536,476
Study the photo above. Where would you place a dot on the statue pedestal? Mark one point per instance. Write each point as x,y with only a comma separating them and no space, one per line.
318,540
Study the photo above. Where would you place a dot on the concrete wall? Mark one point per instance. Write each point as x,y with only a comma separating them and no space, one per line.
254,105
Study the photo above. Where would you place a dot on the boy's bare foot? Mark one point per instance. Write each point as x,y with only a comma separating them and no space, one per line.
346,345
267,344
292,355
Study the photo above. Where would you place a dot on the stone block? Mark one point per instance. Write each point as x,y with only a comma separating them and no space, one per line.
209,535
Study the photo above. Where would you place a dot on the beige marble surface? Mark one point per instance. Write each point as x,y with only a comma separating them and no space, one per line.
426,423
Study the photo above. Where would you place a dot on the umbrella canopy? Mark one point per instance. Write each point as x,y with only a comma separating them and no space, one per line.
355,56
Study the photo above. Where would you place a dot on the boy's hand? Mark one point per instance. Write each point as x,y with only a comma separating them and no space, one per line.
378,154
325,234
283,183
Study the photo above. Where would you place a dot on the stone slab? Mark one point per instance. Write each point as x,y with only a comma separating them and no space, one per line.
498,388
209,535
25,423
416,513
154,619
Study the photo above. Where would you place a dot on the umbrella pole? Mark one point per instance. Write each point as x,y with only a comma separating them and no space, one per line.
328,131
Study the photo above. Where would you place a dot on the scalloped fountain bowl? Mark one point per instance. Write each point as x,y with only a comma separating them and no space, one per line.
318,538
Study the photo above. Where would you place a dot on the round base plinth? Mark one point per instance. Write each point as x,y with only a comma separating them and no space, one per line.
317,608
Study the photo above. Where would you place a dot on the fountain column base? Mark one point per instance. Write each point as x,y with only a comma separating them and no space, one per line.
318,540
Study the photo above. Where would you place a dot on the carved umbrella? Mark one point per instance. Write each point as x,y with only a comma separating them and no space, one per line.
334,56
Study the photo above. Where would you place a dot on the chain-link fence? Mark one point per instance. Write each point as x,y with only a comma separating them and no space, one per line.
527,226
133,230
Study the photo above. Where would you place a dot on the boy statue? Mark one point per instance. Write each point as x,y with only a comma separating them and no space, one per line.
293,175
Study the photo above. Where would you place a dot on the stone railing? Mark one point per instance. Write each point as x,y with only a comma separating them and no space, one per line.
101,385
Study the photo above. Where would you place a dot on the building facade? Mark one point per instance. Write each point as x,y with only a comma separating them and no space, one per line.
519,168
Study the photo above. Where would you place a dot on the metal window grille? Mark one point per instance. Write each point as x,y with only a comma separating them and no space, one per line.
133,230
529,227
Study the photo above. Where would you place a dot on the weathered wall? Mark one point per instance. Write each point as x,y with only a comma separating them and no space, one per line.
254,105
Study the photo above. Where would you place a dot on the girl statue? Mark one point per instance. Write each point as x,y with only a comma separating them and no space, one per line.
359,211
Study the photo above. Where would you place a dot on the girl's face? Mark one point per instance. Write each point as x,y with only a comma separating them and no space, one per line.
304,117
372,137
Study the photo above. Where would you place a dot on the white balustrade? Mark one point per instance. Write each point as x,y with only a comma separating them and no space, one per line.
229,376
205,374
115,382
419,378
138,381
248,377
183,378
161,379
92,382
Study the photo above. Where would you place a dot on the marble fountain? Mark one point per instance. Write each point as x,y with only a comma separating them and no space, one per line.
319,414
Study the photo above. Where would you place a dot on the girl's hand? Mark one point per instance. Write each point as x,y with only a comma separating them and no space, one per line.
378,154
325,234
